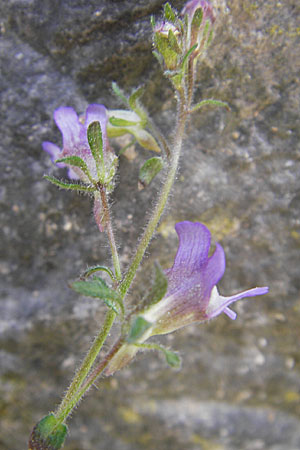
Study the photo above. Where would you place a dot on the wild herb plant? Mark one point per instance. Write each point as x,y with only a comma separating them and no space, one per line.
179,296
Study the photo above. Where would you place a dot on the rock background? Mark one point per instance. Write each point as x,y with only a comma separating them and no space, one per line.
239,387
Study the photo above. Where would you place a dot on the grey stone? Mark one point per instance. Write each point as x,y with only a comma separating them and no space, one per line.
240,382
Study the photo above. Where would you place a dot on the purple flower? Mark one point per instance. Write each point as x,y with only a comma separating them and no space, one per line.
75,142
191,7
164,27
192,295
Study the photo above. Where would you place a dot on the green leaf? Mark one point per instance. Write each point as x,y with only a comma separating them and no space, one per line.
117,122
69,186
119,93
187,55
48,434
169,13
150,169
97,288
172,358
76,161
94,269
134,98
210,101
139,327
94,135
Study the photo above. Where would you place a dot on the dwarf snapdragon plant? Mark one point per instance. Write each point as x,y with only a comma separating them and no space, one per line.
184,294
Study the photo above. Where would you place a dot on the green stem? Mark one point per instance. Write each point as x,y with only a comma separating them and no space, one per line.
74,394
83,381
89,382
162,200
64,409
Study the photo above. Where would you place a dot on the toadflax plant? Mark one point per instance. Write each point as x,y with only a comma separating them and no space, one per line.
187,292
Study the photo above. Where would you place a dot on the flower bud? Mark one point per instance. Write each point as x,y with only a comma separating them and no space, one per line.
199,19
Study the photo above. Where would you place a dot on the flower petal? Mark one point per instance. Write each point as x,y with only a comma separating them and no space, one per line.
214,270
194,243
67,121
54,151
218,303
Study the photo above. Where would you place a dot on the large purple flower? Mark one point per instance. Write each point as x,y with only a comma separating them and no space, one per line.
192,295
75,142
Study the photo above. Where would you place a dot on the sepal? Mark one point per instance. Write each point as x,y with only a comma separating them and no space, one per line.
119,93
169,13
48,434
95,140
138,329
76,161
122,122
69,186
133,102
172,358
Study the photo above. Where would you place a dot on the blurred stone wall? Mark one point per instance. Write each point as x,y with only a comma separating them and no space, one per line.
239,387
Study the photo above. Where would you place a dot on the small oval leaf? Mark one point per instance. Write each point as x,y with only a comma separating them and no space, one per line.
150,169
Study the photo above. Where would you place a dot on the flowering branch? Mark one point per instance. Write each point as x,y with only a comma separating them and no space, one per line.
187,292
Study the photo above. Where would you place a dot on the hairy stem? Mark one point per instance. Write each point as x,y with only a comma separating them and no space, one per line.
89,381
163,197
83,381
74,393
64,408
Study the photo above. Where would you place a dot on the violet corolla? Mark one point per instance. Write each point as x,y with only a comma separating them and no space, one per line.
76,144
192,295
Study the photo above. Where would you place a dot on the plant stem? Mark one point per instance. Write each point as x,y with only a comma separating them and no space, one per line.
78,387
64,408
162,200
89,382
72,396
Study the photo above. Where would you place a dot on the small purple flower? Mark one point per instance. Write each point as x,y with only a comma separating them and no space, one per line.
74,133
192,295
191,7
164,27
